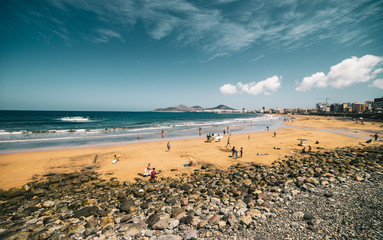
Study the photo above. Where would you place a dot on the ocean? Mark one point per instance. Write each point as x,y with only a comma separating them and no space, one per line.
43,130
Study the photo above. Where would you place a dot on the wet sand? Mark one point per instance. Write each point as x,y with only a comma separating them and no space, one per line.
20,168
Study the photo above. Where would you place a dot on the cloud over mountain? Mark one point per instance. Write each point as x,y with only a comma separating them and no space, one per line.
267,87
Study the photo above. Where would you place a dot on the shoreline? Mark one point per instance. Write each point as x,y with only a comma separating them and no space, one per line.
95,141
19,168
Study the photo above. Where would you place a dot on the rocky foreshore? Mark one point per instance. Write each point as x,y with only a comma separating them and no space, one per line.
328,195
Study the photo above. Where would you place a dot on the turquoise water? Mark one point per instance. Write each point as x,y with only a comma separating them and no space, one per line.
34,130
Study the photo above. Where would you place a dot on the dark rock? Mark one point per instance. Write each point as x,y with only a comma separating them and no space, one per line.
38,191
152,219
86,212
186,220
15,192
185,187
15,200
308,216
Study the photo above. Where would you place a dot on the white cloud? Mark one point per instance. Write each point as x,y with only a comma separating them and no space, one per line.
267,87
228,89
315,80
346,73
377,83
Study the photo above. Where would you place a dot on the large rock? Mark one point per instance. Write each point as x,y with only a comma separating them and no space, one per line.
202,224
129,207
86,212
246,219
214,219
48,204
178,214
161,224
190,234
75,228
18,236
16,192
106,221
90,227
187,219
153,219
132,231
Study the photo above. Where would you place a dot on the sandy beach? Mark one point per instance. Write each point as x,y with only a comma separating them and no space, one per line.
20,168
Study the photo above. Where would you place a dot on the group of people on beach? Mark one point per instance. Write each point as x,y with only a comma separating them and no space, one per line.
149,171
234,152
308,151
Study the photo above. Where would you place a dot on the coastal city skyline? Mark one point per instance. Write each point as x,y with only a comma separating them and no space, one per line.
143,55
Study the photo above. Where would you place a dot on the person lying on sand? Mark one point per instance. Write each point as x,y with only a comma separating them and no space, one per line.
115,159
261,154
190,164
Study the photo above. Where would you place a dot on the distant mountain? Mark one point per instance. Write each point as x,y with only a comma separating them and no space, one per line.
197,107
183,108
179,108
221,107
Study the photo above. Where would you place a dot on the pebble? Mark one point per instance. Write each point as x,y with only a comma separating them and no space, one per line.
335,193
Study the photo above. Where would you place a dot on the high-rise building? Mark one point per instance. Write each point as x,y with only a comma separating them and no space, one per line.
323,107
358,107
378,103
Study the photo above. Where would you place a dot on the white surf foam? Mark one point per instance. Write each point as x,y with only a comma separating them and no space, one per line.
74,119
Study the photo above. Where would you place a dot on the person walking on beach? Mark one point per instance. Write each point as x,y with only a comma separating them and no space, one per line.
168,145
228,142
241,152
275,134
376,136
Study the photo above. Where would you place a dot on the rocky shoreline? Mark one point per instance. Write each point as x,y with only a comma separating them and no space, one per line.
324,195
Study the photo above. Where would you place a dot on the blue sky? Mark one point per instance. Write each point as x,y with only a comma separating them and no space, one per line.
129,55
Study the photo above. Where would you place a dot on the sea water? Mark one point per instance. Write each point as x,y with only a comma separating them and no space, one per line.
38,130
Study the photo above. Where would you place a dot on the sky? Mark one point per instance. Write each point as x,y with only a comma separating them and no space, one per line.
139,55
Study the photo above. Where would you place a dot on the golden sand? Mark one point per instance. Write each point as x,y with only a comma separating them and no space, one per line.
19,168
